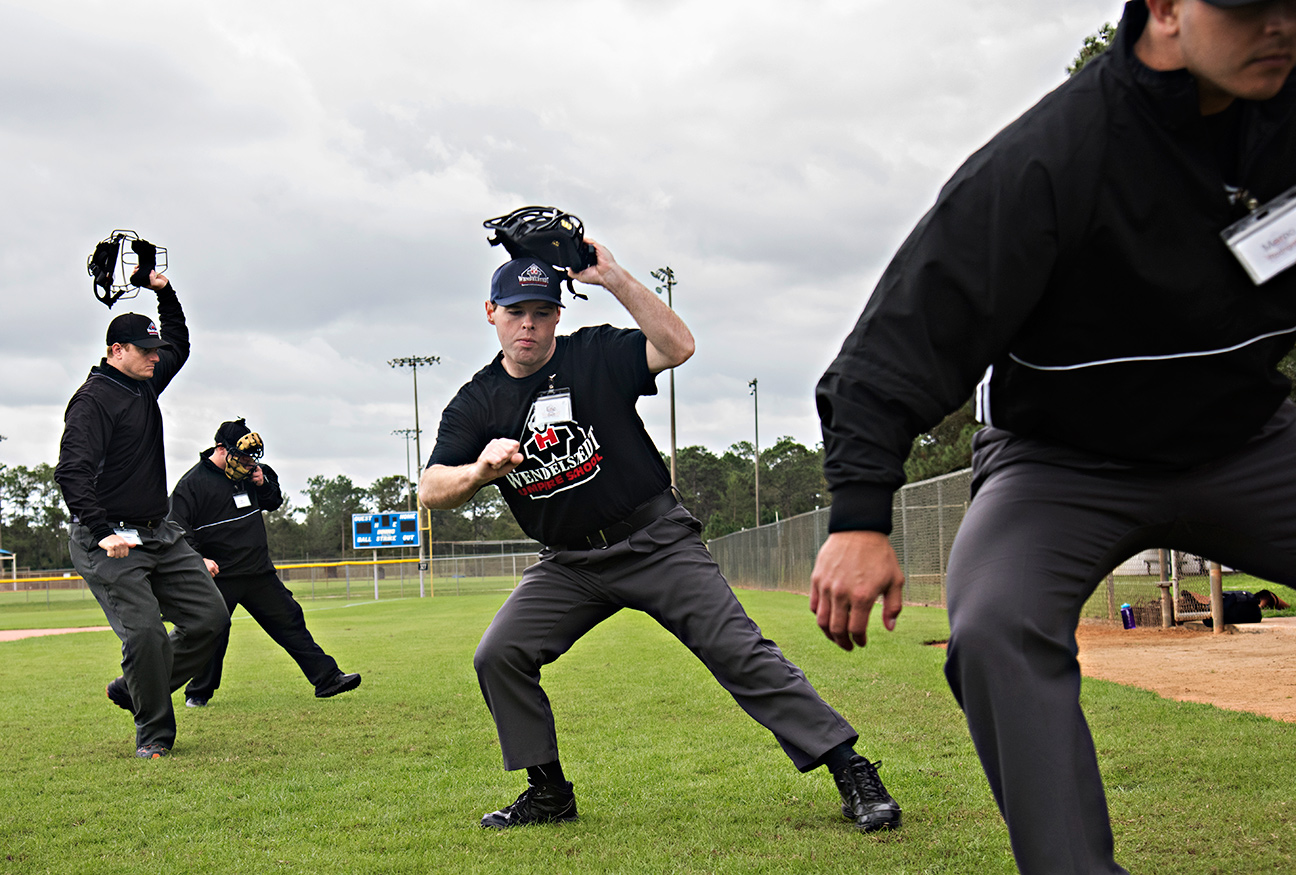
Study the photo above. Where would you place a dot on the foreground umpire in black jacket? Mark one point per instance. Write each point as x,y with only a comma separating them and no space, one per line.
112,472
218,502
1126,361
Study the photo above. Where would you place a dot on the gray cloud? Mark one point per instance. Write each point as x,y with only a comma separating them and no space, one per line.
320,172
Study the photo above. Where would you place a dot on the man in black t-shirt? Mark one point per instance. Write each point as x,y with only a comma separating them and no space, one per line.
552,422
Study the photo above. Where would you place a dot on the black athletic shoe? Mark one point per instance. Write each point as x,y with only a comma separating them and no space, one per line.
195,702
864,799
152,752
541,803
339,684
119,695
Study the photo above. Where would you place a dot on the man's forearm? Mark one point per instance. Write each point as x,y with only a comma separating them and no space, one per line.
445,487
171,316
662,327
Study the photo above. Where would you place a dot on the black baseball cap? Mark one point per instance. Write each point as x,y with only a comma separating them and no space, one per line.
526,279
136,329
229,433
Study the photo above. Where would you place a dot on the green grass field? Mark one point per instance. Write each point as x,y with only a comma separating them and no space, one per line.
670,775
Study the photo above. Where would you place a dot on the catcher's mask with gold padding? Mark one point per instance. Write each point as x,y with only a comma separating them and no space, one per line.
242,448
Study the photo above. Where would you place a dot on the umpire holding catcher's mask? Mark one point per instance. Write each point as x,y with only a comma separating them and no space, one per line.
552,422
112,471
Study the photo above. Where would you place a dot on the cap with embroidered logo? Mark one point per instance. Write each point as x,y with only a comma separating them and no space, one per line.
526,279
135,329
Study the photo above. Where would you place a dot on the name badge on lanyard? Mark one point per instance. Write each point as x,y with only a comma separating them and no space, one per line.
551,407
130,536
242,499
1265,241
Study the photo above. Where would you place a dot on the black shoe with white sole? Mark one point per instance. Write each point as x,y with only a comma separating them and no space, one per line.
539,803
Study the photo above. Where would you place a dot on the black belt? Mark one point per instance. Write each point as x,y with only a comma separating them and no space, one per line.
144,524
617,532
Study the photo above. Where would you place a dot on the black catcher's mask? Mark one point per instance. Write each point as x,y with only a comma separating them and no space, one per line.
547,234
134,261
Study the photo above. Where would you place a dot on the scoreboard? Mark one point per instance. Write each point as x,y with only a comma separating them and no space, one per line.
370,531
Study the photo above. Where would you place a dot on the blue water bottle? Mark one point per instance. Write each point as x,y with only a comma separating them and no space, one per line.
1127,616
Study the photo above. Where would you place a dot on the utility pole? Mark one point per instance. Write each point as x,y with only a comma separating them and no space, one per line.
407,433
413,362
756,455
667,276
3,438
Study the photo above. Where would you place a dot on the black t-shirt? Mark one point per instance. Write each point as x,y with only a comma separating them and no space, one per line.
580,475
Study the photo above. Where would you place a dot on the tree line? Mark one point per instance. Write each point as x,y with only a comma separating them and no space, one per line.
34,519
320,527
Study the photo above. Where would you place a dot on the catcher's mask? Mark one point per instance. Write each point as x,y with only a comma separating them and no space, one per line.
546,234
135,262
242,448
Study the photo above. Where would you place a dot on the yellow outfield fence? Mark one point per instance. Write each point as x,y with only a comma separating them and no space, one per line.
461,568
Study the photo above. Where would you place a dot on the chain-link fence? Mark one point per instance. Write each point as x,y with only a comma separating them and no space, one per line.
455,568
925,517
1152,582
781,556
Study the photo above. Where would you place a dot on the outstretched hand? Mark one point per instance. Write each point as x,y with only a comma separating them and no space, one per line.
852,570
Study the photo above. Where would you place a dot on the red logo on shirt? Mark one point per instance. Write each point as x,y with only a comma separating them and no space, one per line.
557,459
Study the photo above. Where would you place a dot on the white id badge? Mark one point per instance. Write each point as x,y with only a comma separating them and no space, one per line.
551,408
241,499
130,536
1265,241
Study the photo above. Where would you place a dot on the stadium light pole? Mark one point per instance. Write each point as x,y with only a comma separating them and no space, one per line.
667,276
407,433
413,362
756,454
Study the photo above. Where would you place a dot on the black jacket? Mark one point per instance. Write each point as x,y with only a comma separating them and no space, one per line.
1072,272
203,504
111,465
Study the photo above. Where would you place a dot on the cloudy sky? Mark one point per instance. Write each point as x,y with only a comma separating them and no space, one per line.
319,172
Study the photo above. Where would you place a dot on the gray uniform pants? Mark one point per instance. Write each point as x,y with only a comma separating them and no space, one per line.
665,571
1046,525
162,579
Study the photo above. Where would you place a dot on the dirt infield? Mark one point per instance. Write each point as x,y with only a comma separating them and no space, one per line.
1249,668
15,634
